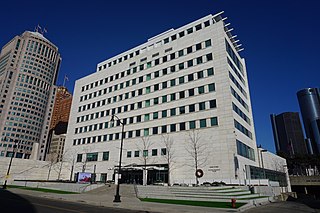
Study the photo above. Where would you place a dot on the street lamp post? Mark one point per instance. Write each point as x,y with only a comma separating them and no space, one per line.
8,171
117,196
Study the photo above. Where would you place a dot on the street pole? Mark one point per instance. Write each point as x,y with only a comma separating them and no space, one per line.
8,171
117,195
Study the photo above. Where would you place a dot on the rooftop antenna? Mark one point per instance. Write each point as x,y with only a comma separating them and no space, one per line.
64,80
39,29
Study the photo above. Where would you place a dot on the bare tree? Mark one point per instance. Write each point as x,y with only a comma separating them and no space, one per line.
70,156
197,151
169,156
144,147
52,159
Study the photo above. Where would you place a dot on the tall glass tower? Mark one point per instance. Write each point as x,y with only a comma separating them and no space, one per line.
309,101
29,66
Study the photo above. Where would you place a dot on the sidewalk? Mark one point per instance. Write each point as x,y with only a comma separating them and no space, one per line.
104,196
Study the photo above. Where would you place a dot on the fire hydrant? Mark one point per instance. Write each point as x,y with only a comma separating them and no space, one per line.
233,203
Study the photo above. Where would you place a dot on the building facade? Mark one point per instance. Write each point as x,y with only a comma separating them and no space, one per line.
309,102
184,88
288,134
28,70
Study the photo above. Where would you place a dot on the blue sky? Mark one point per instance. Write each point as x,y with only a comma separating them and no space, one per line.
280,39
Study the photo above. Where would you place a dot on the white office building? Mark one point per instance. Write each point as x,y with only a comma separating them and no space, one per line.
181,89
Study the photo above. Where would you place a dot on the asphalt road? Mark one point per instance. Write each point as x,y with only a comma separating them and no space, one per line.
13,203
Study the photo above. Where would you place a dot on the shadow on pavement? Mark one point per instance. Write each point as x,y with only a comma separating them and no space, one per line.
13,203
306,200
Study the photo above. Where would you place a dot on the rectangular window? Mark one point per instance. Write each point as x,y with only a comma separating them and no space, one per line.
201,90
182,110
173,111
146,117
209,57
164,59
181,66
138,118
173,68
210,71
79,158
92,156
198,46
214,121
190,30
191,108
156,87
164,113
172,127
208,43
148,77
199,60
105,155
180,53
200,74
146,132
173,96
212,87
181,80
190,63
164,85
202,106
172,82
164,129
138,133
147,103
181,94
181,34
129,154
164,71
172,56
154,152
191,92
156,74
189,50
190,77
173,37
192,124
136,153
164,99
155,115
156,101
198,27
203,123
155,130
145,153
182,126
213,104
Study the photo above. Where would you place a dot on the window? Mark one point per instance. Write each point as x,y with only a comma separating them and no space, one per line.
181,94
200,74
181,80
214,121
105,155
156,74
192,124
166,40
213,104
174,37
181,34
164,129
190,30
191,92
190,77
164,113
155,115
79,158
172,56
164,59
164,71
154,152
156,101
92,156
146,132
202,106
182,110
148,77
189,50
163,151
180,53
209,57
208,43
210,71
128,154
149,64
172,127
173,96
146,117
164,85
203,123
201,90
147,104
156,87
181,66
145,153
211,87
182,126
155,130
198,46
136,153
207,23
172,82
173,68
173,111
199,60
138,133
191,108
190,63
164,99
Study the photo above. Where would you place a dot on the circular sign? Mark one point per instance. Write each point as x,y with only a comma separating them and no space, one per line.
199,173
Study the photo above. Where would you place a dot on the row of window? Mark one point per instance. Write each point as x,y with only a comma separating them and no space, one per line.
234,57
166,58
240,113
194,124
234,80
151,116
242,129
149,89
157,44
145,153
241,101
148,103
148,77
236,71
245,151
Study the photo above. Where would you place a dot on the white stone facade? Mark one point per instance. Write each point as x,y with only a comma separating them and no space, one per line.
158,87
